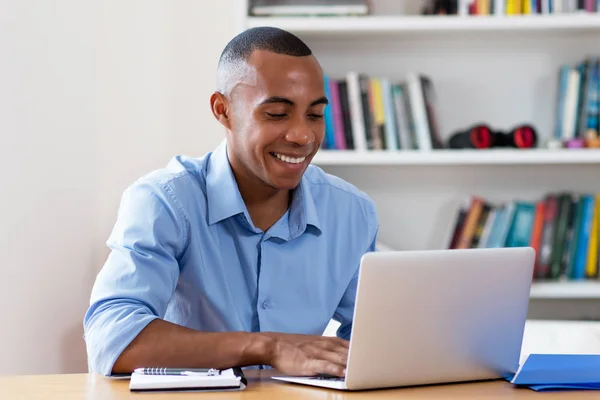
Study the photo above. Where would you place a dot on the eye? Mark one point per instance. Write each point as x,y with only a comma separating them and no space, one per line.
316,116
276,116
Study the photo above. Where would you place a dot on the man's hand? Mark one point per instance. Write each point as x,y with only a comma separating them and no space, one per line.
306,355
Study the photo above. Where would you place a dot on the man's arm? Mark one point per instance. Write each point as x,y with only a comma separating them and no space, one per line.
124,328
165,344
139,277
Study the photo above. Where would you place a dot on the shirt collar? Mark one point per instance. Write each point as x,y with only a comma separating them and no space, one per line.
223,194
303,211
225,200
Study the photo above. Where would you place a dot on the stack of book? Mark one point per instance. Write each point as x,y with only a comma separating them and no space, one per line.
511,7
578,104
376,113
562,227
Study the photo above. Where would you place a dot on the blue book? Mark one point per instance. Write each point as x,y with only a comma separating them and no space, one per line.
547,372
583,237
329,140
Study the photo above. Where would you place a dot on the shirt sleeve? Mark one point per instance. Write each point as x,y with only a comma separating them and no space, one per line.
345,310
139,276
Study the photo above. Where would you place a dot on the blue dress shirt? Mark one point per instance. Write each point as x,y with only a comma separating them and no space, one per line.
185,249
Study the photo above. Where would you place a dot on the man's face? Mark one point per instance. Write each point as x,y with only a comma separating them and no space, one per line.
276,116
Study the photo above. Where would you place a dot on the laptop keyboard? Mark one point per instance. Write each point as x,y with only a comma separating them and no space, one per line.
326,377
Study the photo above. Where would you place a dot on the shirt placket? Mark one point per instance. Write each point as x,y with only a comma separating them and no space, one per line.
265,302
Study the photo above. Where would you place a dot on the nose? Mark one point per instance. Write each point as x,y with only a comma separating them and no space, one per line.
300,134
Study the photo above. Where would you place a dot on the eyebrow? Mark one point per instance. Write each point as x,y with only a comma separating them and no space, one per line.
277,99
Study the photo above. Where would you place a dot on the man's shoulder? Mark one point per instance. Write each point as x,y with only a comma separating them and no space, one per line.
177,168
182,177
322,182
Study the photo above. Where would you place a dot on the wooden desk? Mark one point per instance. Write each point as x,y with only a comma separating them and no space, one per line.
96,387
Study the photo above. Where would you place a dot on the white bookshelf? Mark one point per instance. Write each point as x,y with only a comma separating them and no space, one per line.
458,157
319,26
566,290
501,71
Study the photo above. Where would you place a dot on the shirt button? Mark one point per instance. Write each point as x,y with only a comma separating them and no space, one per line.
265,304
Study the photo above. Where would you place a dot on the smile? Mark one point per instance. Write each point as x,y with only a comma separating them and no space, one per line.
287,159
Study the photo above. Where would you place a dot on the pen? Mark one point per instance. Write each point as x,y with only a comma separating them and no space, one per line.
177,371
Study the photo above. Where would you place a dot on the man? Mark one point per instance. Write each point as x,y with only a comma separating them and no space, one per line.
241,257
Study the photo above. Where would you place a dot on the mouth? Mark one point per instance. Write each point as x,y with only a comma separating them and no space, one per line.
288,159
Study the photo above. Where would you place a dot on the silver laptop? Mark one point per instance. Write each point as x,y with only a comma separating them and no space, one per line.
441,316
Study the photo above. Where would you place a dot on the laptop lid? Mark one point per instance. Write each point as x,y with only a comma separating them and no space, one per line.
424,317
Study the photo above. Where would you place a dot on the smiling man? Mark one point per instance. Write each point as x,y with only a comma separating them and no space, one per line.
241,257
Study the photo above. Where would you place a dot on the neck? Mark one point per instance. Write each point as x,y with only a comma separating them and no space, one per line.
265,204
261,195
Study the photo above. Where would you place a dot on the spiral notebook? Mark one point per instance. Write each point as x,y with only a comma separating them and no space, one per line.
165,379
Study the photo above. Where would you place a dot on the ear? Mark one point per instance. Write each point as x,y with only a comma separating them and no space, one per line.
220,109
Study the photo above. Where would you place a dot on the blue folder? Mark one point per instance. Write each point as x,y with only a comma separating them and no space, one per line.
546,372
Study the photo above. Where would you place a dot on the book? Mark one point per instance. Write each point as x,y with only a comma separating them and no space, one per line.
161,379
549,372
309,7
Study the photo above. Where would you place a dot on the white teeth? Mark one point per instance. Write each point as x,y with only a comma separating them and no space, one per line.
290,160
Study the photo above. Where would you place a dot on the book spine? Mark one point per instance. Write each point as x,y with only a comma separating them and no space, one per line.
589,5
470,223
391,128
592,262
547,236
545,7
574,240
338,123
346,118
459,221
500,8
379,114
367,111
536,232
404,140
560,235
593,103
487,229
483,216
356,111
571,101
419,112
463,7
329,142
584,235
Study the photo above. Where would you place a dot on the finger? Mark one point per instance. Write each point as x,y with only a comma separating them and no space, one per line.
337,357
333,345
325,367
339,341
343,342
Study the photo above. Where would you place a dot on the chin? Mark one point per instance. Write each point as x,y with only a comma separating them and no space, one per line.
286,183
284,176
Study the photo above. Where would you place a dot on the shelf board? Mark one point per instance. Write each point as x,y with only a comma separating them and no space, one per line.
417,23
565,290
458,157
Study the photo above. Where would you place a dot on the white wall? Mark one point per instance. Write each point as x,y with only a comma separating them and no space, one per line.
92,95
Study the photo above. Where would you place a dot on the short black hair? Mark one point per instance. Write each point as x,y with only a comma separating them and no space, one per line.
267,38
264,38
